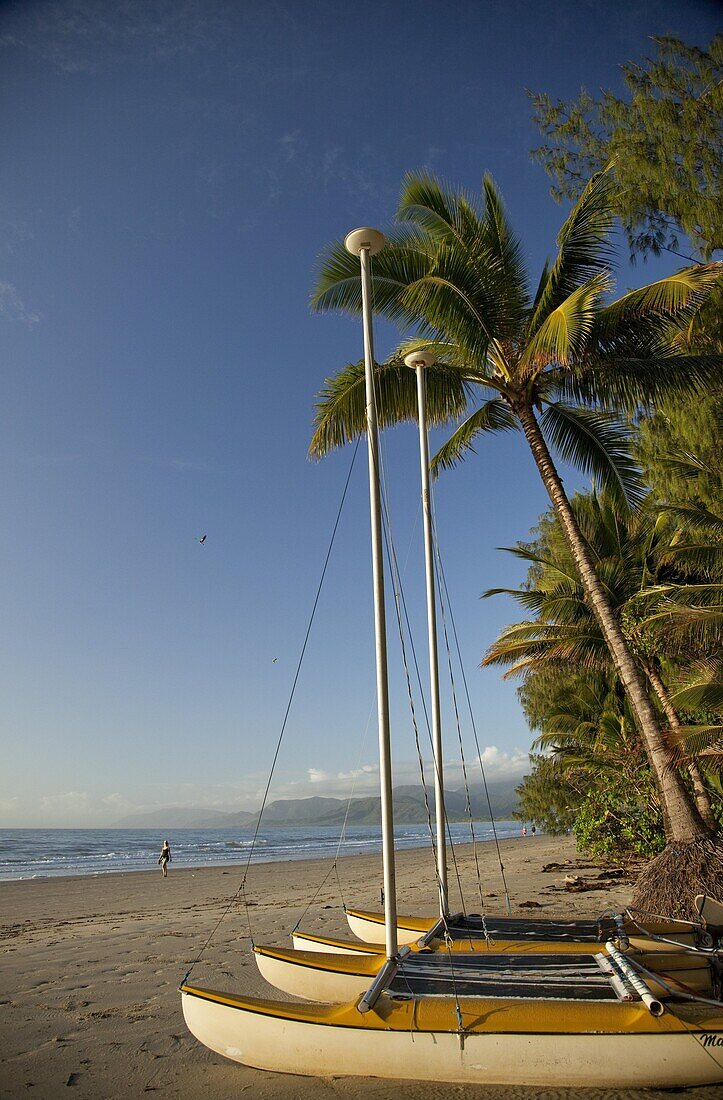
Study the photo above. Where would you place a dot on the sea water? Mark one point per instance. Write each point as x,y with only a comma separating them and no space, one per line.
45,853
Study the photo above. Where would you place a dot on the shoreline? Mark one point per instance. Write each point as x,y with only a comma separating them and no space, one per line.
188,848
91,967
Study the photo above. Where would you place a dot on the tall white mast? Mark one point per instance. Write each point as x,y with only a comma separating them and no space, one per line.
364,243
419,361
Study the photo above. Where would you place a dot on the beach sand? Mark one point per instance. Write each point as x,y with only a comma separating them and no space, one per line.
90,968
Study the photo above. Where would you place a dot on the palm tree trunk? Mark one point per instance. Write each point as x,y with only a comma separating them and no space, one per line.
682,821
700,794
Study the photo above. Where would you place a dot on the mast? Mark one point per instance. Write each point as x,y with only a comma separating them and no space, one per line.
419,361
364,243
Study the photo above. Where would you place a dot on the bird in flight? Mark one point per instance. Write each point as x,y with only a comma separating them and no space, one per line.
274,660
202,539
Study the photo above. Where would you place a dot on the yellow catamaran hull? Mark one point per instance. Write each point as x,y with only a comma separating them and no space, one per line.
513,1042
335,978
369,928
310,941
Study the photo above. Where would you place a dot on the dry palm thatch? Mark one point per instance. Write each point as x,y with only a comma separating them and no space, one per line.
670,882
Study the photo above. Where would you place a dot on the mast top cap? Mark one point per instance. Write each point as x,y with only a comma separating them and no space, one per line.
419,359
370,239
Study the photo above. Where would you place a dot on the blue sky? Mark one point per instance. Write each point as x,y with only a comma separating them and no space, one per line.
171,172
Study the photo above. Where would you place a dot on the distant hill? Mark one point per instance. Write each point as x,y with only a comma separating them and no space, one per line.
179,817
408,810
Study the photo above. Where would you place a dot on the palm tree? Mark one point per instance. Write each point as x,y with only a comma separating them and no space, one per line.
588,732
632,552
558,365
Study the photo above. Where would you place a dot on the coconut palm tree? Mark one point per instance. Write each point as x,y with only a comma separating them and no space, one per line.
631,551
590,736
558,365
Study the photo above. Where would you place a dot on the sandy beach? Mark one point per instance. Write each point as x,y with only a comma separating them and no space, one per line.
90,967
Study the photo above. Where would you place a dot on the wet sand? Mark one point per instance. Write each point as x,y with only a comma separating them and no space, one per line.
89,968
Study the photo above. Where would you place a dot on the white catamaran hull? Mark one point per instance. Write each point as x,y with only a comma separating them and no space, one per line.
314,982
369,928
371,931
303,941
320,1041
335,979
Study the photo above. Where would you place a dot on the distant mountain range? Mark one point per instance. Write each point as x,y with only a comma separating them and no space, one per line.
409,809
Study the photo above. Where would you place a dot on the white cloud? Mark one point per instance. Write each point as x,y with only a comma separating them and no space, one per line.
13,308
503,765
78,809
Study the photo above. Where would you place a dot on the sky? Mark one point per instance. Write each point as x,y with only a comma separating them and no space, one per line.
171,172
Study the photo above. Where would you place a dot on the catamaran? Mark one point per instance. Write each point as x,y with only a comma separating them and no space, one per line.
543,1019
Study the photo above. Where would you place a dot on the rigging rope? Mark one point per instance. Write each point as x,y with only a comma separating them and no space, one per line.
301,658
437,765
472,719
242,886
334,866
468,799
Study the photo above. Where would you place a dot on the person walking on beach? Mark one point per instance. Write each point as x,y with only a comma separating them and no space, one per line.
165,858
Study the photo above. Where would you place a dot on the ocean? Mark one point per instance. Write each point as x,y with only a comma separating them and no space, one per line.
48,853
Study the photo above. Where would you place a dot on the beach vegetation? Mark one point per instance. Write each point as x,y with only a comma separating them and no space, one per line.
557,360
570,692
635,559
664,134
616,823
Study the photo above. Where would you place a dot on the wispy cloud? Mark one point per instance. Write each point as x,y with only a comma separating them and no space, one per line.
362,781
79,808
65,809
85,36
13,308
290,144
16,232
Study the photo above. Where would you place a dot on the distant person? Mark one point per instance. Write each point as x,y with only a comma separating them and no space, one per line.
524,830
532,830
165,858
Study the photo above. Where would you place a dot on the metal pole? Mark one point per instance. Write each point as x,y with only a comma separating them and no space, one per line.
419,362
363,243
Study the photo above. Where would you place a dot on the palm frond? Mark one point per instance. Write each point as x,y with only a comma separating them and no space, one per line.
568,571
565,331
696,515
705,695
676,297
504,244
527,646
700,596
598,445
443,214
341,408
404,259
625,384
494,416
700,739
475,261
583,249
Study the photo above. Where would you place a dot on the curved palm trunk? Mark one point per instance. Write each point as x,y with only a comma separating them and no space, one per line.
700,794
682,821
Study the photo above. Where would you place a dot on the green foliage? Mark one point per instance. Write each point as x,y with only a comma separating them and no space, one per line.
549,797
617,823
673,433
570,692
565,367
664,136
